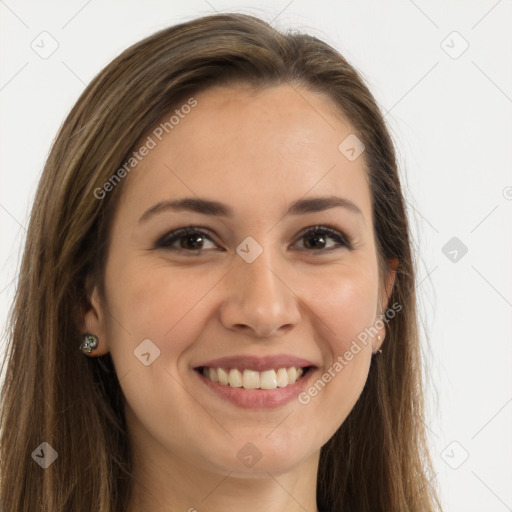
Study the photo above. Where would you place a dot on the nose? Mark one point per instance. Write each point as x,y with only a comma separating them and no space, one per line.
260,300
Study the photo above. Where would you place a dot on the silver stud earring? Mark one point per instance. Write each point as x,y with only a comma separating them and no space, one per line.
89,343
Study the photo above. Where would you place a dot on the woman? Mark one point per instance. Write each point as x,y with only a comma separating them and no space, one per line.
220,230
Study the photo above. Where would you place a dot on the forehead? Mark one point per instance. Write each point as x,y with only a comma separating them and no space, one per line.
270,145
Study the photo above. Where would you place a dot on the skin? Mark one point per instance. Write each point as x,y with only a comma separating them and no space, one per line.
256,151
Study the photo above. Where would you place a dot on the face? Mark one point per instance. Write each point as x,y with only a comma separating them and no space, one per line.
260,282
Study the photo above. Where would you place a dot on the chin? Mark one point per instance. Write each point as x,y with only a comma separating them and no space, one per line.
246,457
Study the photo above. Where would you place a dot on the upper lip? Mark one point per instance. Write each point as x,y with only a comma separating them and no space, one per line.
248,362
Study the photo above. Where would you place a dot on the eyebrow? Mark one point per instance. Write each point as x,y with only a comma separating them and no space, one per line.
214,208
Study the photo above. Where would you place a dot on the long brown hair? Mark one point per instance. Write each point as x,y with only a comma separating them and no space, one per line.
378,458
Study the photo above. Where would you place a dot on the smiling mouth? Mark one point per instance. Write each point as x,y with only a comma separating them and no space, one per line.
253,379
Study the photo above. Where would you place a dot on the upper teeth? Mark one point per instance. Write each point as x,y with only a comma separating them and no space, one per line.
252,379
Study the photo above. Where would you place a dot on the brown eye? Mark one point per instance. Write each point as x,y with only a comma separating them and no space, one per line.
189,240
193,242
316,239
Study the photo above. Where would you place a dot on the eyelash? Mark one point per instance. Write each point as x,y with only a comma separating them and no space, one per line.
167,240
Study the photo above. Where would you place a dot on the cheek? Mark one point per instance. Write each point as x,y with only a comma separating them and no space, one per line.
152,302
344,309
155,302
344,302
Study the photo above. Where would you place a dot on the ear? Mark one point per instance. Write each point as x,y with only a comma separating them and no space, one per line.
94,322
383,303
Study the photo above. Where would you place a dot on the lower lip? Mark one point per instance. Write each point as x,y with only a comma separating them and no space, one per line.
258,398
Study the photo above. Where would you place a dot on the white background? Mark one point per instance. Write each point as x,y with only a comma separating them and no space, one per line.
452,124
